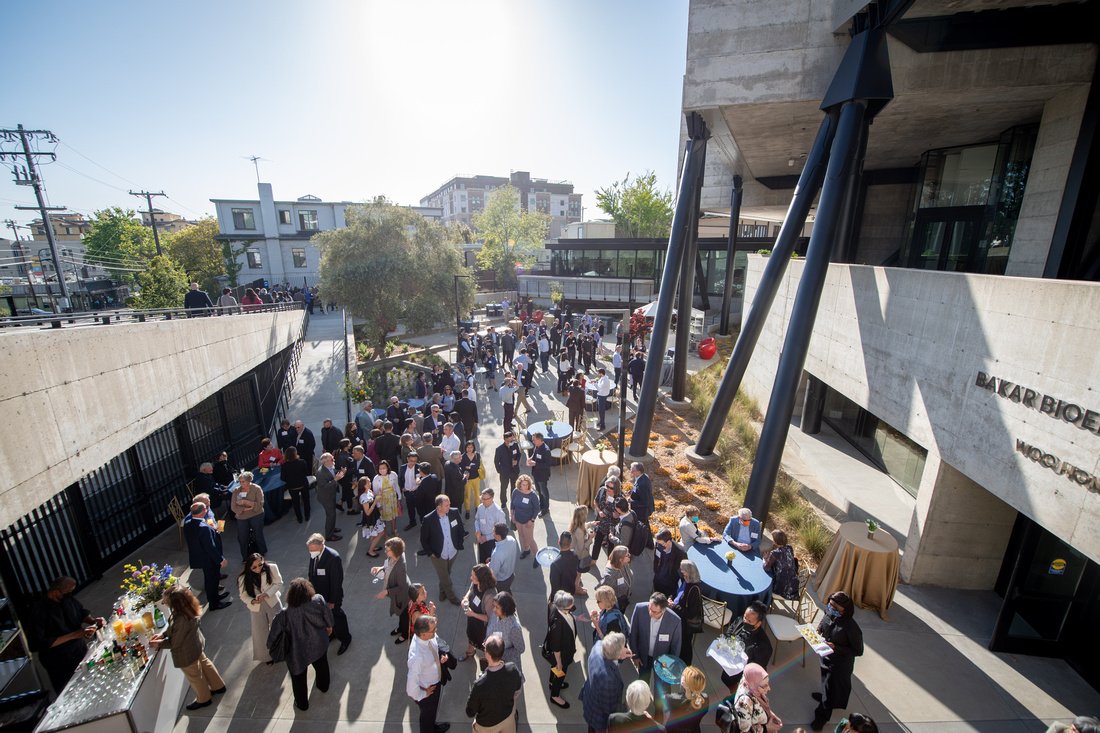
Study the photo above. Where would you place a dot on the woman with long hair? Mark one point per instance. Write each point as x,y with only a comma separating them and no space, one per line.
260,586
607,618
373,527
525,509
184,639
308,624
250,301
477,605
395,585
351,432
782,566
581,530
385,495
688,708
471,469
606,496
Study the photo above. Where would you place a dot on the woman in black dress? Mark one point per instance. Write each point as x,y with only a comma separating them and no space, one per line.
476,604
843,635
561,642
295,474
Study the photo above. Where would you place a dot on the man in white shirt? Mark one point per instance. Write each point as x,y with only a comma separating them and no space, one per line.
489,515
449,442
617,364
505,554
425,673
604,385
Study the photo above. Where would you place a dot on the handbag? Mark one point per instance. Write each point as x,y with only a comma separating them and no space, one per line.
544,650
278,640
481,472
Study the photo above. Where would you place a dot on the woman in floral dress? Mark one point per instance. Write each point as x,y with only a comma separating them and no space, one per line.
385,493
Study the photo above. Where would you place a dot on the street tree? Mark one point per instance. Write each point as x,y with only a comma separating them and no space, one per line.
390,265
510,236
637,206
117,242
163,284
198,252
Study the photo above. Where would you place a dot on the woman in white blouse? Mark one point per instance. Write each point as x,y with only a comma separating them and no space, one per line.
261,586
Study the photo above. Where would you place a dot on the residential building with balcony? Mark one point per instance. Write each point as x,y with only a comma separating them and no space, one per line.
462,197
953,348
276,234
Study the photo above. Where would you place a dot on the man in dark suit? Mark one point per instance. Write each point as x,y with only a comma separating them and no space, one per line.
388,445
667,556
441,535
563,571
467,412
641,496
196,298
666,640
360,466
286,435
330,436
394,413
455,479
326,574
408,479
431,486
204,554
305,443
539,463
636,369
506,461
328,489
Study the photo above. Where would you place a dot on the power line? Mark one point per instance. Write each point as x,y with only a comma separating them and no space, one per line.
91,178
98,165
152,214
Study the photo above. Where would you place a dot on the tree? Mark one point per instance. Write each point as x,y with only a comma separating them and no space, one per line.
391,265
510,236
117,242
163,284
637,207
199,254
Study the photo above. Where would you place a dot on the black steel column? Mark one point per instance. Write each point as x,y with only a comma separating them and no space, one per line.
804,311
851,208
687,286
813,404
808,184
662,318
731,249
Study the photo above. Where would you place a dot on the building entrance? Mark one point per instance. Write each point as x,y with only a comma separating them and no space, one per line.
1051,600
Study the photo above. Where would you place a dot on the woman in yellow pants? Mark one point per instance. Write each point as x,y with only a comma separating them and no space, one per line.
471,467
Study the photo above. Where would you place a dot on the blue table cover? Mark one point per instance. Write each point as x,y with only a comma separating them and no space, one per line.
738,586
558,432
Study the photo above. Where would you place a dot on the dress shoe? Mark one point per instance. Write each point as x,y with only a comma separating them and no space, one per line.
421,552
199,705
223,596
343,647
333,538
409,526
442,727
219,606
562,705
218,691
535,564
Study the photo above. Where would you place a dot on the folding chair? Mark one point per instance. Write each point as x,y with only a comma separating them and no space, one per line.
176,510
784,628
716,615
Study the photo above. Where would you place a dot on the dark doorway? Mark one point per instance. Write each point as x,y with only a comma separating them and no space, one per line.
946,238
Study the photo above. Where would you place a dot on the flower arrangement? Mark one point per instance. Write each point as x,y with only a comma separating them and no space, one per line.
549,426
730,555
603,445
147,582
872,526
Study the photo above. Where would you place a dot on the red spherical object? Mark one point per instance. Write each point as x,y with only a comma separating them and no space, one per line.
707,348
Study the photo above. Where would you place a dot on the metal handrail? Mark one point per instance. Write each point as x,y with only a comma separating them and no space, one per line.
106,317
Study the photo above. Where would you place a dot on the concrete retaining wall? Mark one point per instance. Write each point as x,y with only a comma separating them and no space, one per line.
74,399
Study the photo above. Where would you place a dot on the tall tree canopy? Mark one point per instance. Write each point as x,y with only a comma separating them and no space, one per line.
391,265
117,242
163,284
199,254
637,207
510,236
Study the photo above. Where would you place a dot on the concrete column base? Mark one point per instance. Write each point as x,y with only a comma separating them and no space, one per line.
681,406
727,337
646,460
701,461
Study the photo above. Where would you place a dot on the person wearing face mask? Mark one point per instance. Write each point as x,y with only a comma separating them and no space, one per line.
743,532
843,635
749,629
59,625
689,528
326,575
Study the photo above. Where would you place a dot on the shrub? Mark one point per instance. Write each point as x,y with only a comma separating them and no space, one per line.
661,471
796,514
816,539
658,504
683,467
702,491
687,478
712,505
667,520
674,438
666,443
675,484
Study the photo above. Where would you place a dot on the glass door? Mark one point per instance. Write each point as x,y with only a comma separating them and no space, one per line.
945,238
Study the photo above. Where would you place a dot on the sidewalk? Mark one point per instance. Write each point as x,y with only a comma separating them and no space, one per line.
925,670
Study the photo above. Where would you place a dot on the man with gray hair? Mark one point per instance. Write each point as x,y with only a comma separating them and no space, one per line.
455,480
204,553
743,532
328,489
602,692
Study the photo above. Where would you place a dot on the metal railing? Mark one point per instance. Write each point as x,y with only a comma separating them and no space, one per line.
593,289
128,315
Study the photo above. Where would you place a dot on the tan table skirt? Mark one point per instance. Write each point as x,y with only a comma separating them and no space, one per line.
866,569
593,468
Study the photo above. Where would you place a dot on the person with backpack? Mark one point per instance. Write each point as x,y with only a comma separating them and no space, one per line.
629,532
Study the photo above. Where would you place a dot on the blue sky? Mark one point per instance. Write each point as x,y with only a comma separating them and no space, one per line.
345,99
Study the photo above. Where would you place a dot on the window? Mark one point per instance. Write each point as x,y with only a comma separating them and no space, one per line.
244,219
307,221
299,254
255,261
284,216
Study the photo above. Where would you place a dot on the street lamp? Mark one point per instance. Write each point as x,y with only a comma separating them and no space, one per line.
625,313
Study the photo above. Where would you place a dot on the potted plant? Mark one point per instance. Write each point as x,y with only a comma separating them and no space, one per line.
729,558
872,527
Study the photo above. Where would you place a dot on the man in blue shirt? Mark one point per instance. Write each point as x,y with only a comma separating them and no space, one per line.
743,532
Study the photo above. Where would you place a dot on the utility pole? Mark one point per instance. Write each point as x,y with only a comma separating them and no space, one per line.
28,176
152,216
26,262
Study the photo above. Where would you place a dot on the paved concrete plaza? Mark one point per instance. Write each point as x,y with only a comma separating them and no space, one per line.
926,669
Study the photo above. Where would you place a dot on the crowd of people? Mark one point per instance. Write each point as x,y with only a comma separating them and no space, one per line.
253,298
415,481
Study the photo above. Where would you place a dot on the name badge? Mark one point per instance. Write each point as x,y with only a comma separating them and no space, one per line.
662,637
477,601
754,535
526,500
243,494
320,571
620,581
454,522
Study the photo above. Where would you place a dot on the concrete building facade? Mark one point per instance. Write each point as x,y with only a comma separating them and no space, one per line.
464,196
276,235
952,345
